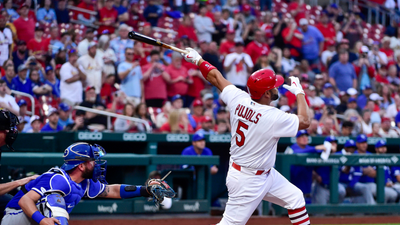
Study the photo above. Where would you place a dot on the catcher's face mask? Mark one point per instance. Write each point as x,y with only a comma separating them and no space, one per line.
100,167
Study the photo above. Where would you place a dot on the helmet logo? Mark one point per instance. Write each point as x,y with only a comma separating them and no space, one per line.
66,152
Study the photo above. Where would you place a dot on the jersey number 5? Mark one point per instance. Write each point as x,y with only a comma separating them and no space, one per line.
240,142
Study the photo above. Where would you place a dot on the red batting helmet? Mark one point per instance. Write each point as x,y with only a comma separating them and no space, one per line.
261,81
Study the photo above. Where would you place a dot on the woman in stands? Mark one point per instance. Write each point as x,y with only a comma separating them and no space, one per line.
123,125
142,113
177,123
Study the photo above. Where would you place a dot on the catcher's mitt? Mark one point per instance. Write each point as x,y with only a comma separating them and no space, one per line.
158,189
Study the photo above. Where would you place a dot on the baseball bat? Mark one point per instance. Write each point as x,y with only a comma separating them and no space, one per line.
151,41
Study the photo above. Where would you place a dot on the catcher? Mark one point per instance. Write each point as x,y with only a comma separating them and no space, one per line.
50,198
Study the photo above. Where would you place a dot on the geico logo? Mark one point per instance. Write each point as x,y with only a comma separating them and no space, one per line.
373,140
134,137
342,140
178,137
220,138
90,136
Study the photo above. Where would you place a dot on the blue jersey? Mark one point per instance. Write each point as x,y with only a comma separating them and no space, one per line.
22,86
190,151
352,177
47,128
395,172
58,180
365,178
301,176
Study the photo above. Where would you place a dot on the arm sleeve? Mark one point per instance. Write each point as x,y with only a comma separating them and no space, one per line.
52,182
248,60
93,189
285,125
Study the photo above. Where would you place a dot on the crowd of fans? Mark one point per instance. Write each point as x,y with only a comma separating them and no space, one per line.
69,53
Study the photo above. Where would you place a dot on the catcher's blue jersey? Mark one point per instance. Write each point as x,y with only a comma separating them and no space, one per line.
57,180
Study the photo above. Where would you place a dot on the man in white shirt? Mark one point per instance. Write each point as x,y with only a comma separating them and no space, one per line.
204,25
92,66
238,66
387,130
327,55
83,45
71,87
6,41
7,101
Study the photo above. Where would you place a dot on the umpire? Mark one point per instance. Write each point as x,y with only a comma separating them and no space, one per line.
8,134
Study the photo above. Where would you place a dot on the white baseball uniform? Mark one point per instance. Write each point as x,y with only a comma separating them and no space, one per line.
256,130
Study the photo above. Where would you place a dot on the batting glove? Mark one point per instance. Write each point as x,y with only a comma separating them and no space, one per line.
192,56
295,86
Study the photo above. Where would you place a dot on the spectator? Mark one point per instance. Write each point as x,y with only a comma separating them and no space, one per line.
207,126
64,115
222,127
249,32
307,74
141,112
21,82
366,124
162,117
197,112
54,44
91,67
24,25
393,108
71,86
381,76
329,123
343,45
108,89
342,74
256,47
99,122
107,54
177,123
238,66
364,70
46,14
352,29
227,20
228,46
108,17
122,8
122,42
52,125
6,40
292,39
79,123
328,95
180,78
186,29
330,51
387,49
10,74
84,44
7,102
53,82
84,17
203,25
131,77
313,98
220,28
208,102
376,57
301,176
10,11
38,46
298,10
312,43
38,87
288,62
392,75
20,55
135,17
347,128
212,56
35,124
386,129
326,28
199,148
376,128
123,125
62,13
363,98
152,13
313,129
386,93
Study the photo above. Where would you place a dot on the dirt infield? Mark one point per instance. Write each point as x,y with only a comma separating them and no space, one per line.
213,220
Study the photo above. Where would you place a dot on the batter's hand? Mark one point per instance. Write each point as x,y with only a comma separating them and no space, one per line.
50,221
295,86
192,56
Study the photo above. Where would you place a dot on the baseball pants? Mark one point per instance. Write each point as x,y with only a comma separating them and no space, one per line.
363,194
16,216
390,193
246,190
321,194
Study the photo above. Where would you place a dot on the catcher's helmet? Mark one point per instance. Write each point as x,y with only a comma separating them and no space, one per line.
9,121
261,81
81,152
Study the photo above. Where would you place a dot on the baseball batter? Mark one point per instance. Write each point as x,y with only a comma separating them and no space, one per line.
256,129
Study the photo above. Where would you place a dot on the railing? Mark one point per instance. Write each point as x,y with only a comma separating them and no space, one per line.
109,114
32,112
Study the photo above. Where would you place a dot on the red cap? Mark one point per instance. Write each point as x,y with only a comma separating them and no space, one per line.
89,87
385,119
330,42
197,102
22,6
236,11
230,31
58,66
147,24
246,7
305,85
206,119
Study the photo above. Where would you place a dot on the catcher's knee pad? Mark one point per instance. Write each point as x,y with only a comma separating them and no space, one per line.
53,206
